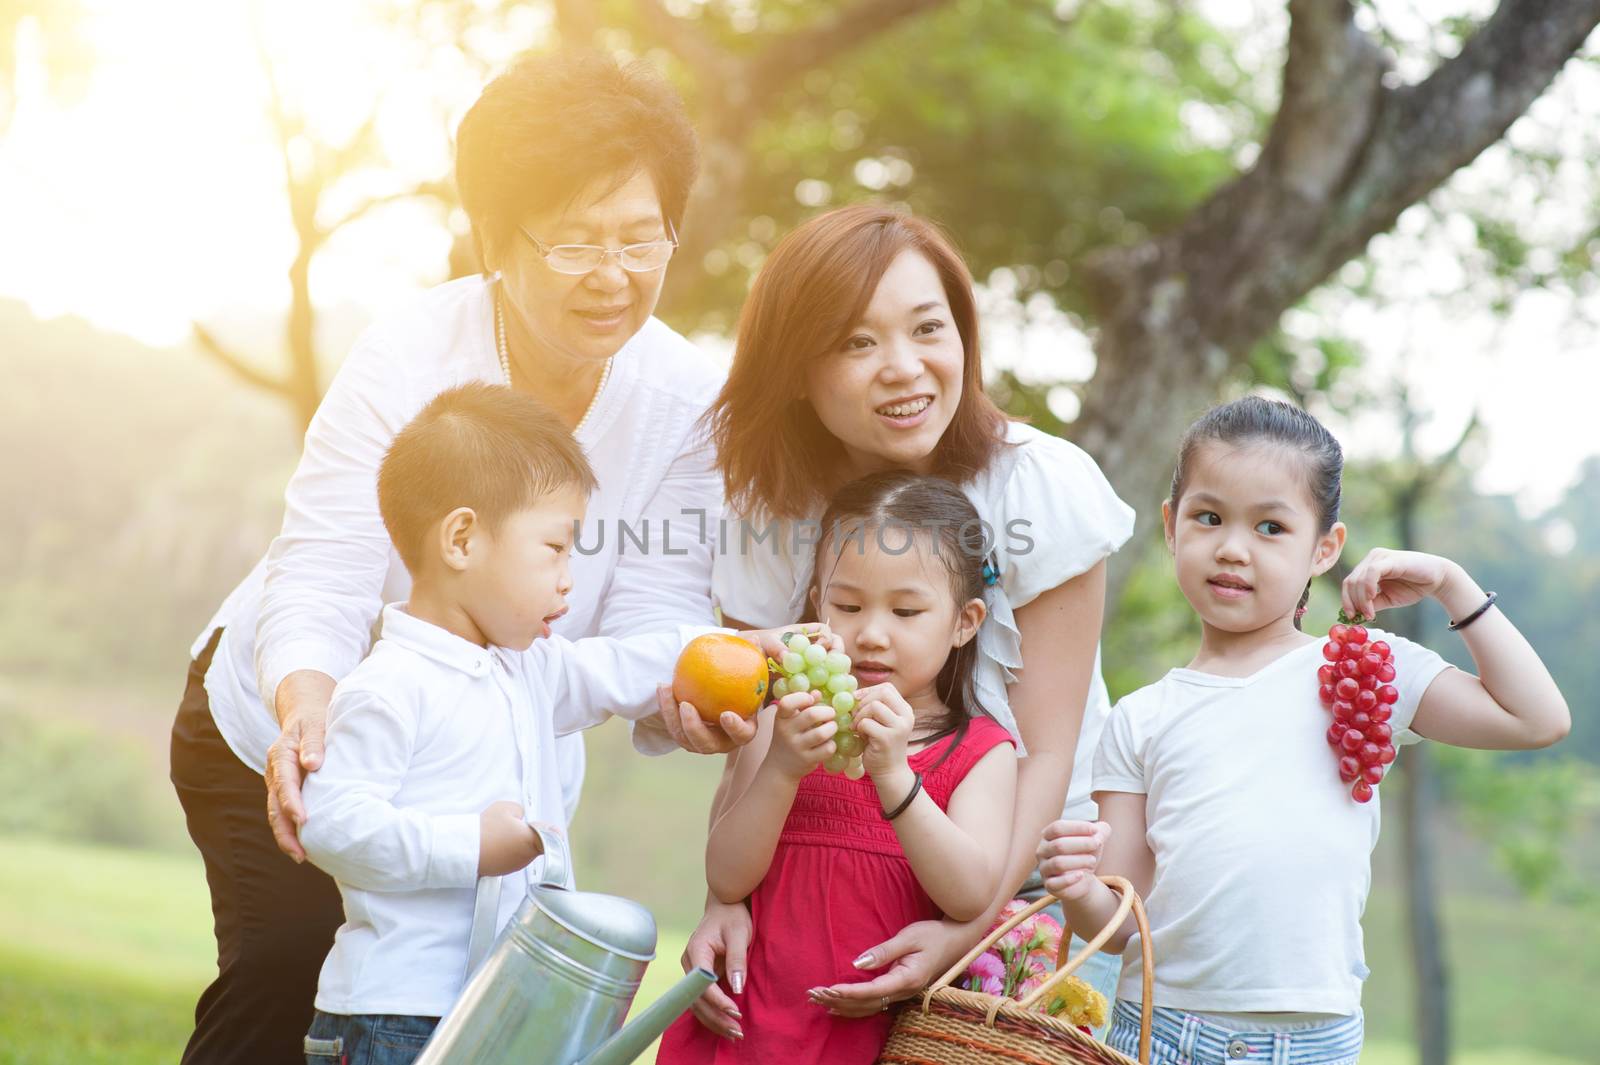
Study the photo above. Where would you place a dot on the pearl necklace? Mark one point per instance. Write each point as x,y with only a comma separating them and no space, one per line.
505,362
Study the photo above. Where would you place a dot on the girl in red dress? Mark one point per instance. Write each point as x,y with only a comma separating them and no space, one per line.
831,865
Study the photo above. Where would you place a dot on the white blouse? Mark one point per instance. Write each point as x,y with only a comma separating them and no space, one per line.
313,601
1053,516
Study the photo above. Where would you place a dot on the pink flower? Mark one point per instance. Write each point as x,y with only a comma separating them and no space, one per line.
992,985
987,966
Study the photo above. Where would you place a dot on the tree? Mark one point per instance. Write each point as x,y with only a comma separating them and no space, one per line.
1051,138
1349,148
312,170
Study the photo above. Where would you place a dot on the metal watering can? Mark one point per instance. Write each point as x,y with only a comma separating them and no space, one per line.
559,980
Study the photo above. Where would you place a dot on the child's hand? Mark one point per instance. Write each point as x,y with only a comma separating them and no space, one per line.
1386,579
802,734
1068,856
506,842
884,720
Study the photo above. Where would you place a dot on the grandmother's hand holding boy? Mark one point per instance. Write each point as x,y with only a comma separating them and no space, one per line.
301,706
1069,854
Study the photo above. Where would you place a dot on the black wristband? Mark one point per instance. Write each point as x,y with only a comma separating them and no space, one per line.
916,786
1457,626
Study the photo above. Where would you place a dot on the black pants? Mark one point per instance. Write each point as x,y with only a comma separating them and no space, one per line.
274,919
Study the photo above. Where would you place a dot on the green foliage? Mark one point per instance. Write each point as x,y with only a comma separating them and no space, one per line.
1034,138
1529,811
63,780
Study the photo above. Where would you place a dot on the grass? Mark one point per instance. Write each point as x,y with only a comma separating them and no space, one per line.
103,952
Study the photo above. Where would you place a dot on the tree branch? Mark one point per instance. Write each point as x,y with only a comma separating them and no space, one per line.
252,376
577,21
1435,128
1332,82
709,60
820,43
437,190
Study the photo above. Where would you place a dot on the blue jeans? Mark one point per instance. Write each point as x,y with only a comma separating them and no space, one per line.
366,1038
1100,972
1179,1038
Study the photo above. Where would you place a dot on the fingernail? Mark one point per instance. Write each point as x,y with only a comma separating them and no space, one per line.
736,981
863,962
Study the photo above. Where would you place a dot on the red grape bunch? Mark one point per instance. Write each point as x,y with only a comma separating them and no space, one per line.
808,666
1356,684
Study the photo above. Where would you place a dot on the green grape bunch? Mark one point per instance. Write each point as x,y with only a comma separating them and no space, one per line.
811,667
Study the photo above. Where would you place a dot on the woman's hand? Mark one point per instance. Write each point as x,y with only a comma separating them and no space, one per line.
1386,579
302,710
884,720
915,958
693,733
771,641
802,734
1069,854
719,943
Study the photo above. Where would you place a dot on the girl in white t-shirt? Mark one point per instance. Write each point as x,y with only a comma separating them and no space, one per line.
1219,797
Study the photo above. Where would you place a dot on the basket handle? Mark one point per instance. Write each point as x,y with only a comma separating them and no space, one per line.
988,941
1130,902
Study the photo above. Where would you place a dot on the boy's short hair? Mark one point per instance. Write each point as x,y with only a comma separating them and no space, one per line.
482,446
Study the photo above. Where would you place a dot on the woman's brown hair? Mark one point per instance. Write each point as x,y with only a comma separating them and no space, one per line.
809,294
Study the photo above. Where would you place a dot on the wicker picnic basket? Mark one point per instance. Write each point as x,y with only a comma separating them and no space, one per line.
956,1027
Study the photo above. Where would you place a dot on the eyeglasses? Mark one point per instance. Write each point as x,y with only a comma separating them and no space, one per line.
583,258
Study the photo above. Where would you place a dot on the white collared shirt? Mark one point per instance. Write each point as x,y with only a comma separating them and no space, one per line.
312,602
423,735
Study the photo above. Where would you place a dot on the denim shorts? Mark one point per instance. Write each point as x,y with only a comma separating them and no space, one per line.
1179,1038
366,1038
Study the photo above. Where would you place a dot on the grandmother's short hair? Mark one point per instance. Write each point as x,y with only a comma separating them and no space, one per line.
554,123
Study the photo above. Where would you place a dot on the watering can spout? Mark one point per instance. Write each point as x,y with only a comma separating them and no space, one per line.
629,1043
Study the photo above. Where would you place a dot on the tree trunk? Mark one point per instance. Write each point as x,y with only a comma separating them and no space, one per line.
1177,316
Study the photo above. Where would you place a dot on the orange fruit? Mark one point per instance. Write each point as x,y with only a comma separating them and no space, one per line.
718,672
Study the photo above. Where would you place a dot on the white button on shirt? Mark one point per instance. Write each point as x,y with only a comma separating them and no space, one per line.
423,735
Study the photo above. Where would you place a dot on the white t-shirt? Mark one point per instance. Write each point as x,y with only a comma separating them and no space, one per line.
1263,860
424,734
1052,514
315,598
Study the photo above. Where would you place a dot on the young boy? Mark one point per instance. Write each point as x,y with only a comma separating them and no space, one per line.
440,744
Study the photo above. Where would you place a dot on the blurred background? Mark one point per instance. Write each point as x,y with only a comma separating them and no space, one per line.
1388,210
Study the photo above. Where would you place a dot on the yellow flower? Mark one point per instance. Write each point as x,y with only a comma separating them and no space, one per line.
1077,1003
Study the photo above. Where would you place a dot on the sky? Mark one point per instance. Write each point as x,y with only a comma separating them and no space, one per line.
156,200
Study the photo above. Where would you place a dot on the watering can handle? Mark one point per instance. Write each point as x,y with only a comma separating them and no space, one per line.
557,872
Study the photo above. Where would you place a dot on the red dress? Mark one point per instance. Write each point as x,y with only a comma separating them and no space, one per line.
839,883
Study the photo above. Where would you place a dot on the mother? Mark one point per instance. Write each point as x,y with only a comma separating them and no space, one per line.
858,351
574,172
